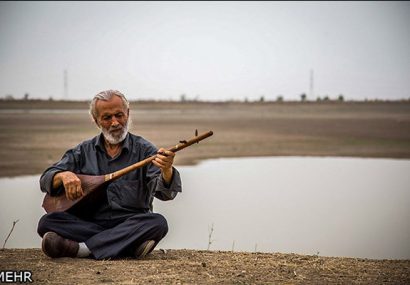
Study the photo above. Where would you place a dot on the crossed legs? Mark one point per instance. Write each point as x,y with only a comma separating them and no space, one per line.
106,240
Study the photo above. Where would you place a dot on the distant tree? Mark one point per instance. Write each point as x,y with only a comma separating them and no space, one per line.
303,97
318,99
9,97
262,99
26,95
340,98
246,100
50,98
326,98
279,98
182,98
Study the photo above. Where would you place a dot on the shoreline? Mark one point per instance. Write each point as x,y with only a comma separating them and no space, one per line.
195,162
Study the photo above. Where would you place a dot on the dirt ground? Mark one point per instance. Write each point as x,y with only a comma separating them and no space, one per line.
35,134
207,267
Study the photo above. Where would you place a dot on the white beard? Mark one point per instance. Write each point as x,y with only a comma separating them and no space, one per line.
115,138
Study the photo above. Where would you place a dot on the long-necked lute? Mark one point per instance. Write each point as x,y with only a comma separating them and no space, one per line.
92,183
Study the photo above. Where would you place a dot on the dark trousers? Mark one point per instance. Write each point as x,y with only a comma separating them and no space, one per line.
109,239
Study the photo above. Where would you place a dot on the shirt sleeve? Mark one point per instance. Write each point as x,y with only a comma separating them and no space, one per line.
156,183
168,192
69,162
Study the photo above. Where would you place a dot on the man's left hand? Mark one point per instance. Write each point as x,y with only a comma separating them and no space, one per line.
164,161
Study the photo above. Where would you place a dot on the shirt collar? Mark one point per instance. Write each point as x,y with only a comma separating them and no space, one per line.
127,143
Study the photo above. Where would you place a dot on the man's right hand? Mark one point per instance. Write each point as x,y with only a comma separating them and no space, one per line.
71,183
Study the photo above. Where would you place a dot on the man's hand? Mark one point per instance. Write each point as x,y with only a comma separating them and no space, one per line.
71,183
164,161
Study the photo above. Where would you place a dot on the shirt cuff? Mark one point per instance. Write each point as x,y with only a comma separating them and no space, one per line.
174,185
46,182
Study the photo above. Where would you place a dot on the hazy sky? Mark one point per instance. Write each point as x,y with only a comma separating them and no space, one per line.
213,50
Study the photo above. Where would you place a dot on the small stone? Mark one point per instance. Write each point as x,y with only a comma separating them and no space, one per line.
203,264
242,274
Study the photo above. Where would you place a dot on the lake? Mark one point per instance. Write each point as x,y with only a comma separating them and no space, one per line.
348,207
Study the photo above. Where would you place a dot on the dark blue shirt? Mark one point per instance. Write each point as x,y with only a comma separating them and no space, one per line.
131,193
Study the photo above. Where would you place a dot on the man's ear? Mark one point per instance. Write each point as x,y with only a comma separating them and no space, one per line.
96,122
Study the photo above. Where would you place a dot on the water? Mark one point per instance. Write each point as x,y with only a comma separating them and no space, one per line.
328,206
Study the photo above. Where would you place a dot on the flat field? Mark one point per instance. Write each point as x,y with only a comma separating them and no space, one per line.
34,134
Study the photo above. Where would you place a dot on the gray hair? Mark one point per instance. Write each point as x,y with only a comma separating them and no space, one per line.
106,96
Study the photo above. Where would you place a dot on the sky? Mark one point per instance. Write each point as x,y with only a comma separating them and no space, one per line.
206,50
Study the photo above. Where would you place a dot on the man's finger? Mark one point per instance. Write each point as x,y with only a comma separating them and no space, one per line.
162,155
74,192
164,161
159,162
79,191
165,152
67,194
69,191
169,153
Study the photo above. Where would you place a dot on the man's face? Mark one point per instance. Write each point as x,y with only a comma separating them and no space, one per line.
112,119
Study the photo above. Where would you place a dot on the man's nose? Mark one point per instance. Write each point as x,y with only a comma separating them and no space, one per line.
114,122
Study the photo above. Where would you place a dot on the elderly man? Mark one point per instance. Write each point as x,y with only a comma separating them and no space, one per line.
123,223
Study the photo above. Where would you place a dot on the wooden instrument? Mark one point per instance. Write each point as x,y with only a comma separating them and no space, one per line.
92,183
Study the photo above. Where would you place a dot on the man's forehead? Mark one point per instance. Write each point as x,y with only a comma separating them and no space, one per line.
115,104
